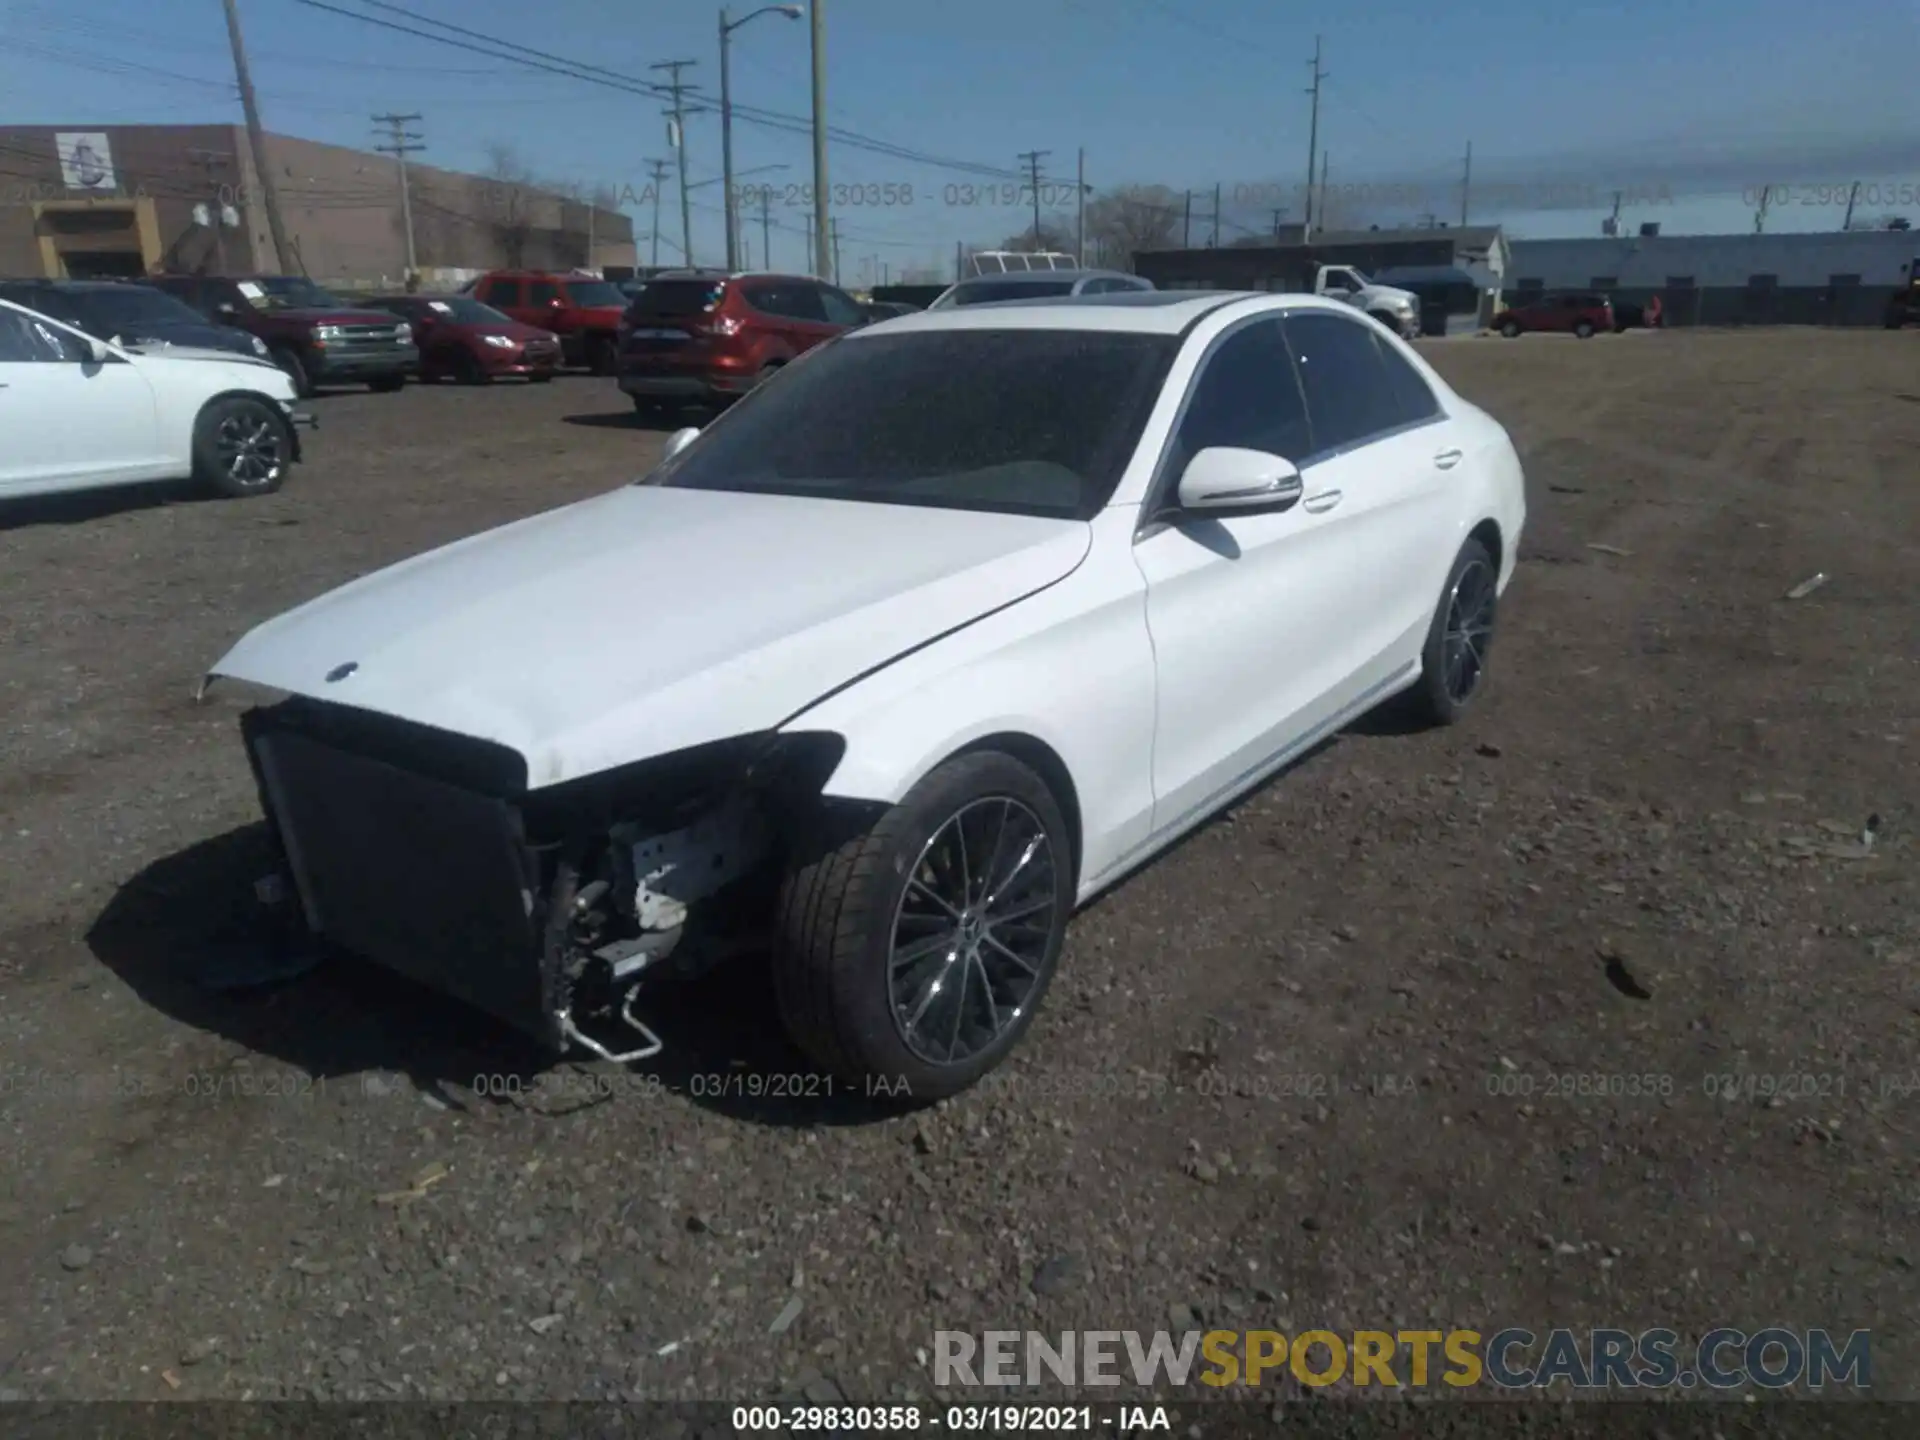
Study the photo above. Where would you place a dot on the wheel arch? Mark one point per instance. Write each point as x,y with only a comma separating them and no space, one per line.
1487,532
1041,758
287,427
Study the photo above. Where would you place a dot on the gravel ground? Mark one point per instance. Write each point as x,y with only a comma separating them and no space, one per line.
1299,1072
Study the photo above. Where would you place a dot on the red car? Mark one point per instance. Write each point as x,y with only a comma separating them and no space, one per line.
1581,314
583,312
461,339
704,338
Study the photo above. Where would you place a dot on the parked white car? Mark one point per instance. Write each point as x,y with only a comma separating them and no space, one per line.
924,643
79,413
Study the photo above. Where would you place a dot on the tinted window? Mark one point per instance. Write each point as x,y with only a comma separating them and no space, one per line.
503,292
542,292
983,292
279,292
841,309
1409,397
122,309
1247,396
27,338
1344,380
789,299
665,299
1030,422
47,302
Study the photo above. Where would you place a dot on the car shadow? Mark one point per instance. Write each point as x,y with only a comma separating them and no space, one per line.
181,931
663,422
78,507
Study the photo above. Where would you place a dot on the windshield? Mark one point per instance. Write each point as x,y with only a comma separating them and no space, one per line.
1025,422
122,311
288,292
595,292
463,311
981,292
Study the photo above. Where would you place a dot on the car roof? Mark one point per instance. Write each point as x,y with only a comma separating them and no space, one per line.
1146,312
42,282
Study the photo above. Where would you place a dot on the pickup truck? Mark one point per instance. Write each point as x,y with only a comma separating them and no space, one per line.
316,337
1398,310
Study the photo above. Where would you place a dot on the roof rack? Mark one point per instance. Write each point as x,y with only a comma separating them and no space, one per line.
999,262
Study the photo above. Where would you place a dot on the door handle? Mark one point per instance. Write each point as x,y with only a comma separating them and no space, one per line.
1324,501
1447,459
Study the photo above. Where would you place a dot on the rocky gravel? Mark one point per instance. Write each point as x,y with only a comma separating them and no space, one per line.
1598,1009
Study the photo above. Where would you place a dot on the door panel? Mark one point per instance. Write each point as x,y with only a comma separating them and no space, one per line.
1246,611
69,424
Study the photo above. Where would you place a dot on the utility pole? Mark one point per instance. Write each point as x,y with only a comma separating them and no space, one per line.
766,228
1276,224
657,178
1760,215
813,240
402,142
833,225
256,138
1213,241
1466,185
210,161
1033,159
1326,213
1186,224
679,137
1080,223
1612,226
1313,131
1852,195
959,263
819,43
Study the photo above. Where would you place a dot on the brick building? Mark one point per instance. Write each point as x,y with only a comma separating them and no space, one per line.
141,199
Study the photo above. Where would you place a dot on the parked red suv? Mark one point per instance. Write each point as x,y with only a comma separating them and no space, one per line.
461,339
583,312
1581,314
316,337
704,338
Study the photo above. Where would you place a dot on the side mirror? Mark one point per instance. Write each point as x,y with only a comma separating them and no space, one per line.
225,310
1224,477
679,441
93,351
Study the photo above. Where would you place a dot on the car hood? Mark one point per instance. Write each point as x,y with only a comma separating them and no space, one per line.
198,354
651,619
1383,293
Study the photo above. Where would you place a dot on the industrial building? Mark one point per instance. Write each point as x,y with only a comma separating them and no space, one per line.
1842,277
142,199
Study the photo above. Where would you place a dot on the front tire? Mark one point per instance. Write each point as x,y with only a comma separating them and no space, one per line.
1453,662
1511,329
241,447
919,948
1584,329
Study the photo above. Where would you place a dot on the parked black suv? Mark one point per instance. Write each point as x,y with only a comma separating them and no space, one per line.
132,315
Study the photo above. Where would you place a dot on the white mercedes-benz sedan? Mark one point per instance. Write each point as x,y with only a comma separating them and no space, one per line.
924,643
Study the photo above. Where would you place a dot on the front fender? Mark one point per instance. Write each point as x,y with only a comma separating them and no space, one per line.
1070,667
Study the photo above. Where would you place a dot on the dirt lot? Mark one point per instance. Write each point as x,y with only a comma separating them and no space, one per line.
1638,864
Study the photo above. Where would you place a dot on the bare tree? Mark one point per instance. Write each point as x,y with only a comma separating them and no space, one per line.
507,203
1054,234
1131,218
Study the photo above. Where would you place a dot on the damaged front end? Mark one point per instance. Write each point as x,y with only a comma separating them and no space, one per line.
425,852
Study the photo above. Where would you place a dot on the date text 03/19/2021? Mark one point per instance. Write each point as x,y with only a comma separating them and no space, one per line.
953,1419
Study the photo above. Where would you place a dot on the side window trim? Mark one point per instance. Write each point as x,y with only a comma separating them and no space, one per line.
1163,479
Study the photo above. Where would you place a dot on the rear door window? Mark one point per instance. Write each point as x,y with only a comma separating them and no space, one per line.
502,294
1345,381
683,299
542,292
840,307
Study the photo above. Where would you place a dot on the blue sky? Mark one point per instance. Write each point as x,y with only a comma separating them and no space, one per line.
1689,106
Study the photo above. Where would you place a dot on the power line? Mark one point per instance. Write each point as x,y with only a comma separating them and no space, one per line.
520,54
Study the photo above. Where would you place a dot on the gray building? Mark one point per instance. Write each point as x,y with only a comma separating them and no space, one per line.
1826,278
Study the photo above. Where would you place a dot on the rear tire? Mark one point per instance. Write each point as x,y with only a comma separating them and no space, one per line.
468,370
241,447
1584,329
919,948
1511,329
288,359
1453,662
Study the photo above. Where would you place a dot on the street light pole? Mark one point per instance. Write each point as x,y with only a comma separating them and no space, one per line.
729,206
820,238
